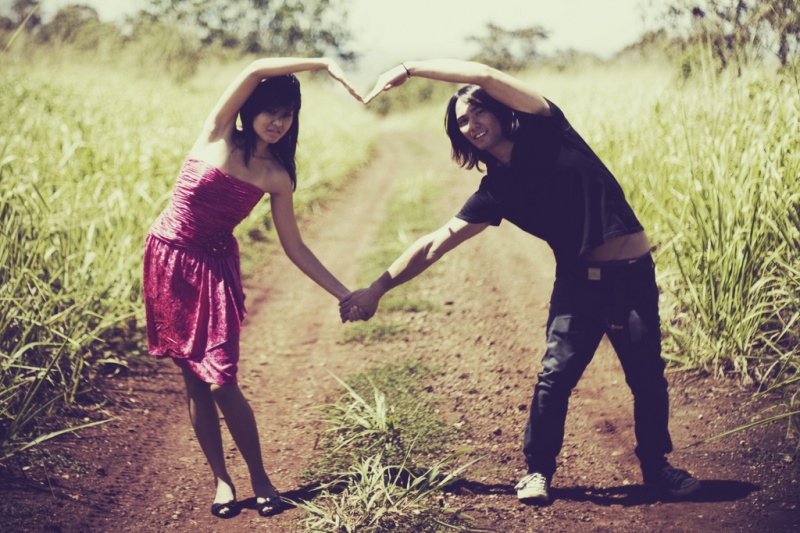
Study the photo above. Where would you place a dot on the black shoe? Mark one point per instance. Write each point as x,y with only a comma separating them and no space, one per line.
225,510
674,481
270,506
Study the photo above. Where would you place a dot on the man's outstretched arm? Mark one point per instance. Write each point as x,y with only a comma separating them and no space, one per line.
415,260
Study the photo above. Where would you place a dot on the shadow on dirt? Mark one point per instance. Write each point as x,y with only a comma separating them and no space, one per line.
305,493
625,495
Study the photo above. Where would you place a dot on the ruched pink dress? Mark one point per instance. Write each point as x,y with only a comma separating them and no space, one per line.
192,284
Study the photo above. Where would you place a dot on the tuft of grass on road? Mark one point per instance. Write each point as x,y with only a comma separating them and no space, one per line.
387,409
389,498
379,465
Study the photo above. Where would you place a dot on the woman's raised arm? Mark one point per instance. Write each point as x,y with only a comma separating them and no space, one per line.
222,118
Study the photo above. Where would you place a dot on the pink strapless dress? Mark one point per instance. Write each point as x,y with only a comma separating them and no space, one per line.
193,294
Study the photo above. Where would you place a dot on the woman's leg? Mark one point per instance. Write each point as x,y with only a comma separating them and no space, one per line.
242,424
205,421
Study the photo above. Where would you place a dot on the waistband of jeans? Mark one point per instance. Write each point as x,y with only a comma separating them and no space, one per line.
600,270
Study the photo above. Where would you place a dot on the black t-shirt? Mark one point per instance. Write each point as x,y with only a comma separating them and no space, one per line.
555,188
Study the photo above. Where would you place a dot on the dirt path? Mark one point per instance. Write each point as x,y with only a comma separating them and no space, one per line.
146,471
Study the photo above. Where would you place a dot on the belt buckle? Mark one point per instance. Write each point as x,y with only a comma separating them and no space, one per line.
593,273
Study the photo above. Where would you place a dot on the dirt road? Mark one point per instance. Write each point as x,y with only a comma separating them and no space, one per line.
145,471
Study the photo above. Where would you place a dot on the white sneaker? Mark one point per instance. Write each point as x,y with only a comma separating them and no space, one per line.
533,486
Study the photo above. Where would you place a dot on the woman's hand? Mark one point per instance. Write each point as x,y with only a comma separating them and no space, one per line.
338,74
388,80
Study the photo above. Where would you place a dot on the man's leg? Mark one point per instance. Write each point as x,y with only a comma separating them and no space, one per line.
573,335
637,341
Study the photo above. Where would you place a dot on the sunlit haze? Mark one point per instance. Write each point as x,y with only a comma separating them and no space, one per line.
388,31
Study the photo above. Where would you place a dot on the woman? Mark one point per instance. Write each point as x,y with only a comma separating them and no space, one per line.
192,287
546,180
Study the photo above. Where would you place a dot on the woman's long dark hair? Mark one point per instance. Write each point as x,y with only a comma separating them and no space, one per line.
464,152
280,92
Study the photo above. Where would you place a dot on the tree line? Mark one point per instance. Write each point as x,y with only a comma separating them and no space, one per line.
736,32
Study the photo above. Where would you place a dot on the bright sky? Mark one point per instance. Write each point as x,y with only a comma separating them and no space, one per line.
387,31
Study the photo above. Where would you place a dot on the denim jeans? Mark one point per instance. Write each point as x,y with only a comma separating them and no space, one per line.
618,299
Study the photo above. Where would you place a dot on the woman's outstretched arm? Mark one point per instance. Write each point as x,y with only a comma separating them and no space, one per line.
505,88
292,242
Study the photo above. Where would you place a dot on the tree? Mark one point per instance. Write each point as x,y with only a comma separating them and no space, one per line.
25,15
27,9
737,31
276,27
781,19
509,49
77,25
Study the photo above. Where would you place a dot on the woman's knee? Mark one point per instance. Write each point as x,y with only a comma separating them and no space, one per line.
194,385
225,393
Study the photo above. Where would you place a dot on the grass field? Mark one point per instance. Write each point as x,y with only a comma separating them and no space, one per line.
87,160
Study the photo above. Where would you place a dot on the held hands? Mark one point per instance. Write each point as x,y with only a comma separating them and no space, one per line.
359,305
363,303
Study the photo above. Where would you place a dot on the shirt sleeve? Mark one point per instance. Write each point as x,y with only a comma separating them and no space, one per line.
481,208
542,133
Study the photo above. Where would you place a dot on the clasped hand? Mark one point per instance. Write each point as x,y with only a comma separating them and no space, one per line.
359,305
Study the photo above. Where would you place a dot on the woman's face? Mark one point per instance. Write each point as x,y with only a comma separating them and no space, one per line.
479,125
271,125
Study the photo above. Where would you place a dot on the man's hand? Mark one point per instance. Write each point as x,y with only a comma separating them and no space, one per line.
388,80
359,305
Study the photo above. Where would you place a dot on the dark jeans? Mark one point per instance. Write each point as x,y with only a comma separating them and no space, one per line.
623,304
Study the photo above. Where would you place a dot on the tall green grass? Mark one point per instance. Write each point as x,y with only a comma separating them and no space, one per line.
717,170
733,213
87,160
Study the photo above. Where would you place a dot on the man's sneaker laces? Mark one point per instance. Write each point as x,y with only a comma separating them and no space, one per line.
533,486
